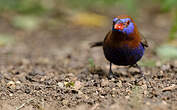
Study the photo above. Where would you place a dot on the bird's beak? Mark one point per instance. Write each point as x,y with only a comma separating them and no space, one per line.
119,26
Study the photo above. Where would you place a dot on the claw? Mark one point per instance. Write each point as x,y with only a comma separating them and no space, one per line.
111,74
141,72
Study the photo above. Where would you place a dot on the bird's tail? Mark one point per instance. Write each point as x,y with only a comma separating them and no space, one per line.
96,44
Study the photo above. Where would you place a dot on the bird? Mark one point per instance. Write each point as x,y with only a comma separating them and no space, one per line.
123,45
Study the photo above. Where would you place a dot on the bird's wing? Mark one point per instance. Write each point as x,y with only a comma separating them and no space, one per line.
100,43
96,44
144,41
107,35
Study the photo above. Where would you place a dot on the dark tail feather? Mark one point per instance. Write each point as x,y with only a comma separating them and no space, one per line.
96,44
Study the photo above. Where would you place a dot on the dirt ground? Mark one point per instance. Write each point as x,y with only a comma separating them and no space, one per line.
49,69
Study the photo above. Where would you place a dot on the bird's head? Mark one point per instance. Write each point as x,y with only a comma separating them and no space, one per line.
124,24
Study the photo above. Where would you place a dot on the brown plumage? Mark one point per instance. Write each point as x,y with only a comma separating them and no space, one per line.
123,45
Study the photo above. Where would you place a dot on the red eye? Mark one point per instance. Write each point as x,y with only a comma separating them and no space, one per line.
128,22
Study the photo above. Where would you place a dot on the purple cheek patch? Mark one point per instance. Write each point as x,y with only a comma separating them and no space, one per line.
129,29
115,19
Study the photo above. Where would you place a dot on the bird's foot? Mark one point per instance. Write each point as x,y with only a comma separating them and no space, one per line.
140,71
142,75
111,75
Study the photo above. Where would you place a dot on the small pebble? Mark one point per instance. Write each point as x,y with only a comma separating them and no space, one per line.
78,85
10,94
165,67
18,82
18,87
104,82
65,102
27,91
127,97
101,96
145,92
80,93
11,85
60,84
144,87
113,95
164,102
113,89
119,84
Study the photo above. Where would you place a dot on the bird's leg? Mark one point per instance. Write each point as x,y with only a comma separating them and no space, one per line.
110,75
142,74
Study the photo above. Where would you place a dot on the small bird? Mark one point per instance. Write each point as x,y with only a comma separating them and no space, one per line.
123,45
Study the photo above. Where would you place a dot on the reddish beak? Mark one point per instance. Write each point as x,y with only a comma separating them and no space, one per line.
119,26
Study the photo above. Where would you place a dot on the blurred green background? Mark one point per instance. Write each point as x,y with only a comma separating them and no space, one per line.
27,15
59,8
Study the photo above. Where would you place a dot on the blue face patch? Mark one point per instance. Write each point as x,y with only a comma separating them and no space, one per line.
125,20
129,29
115,19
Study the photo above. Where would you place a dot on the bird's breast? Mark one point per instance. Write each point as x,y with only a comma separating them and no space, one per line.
123,55
118,40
